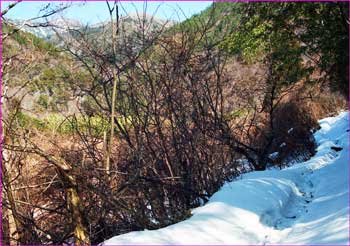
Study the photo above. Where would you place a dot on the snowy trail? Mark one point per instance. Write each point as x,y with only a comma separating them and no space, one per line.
304,204
296,206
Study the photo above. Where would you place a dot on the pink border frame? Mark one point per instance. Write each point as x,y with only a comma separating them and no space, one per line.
1,49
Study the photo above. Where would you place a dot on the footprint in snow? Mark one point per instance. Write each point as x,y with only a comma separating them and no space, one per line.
311,185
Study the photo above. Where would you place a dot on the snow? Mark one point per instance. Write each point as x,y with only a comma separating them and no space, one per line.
303,204
274,155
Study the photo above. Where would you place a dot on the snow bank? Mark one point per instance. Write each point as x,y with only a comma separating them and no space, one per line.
304,204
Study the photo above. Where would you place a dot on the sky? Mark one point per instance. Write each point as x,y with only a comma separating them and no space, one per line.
92,12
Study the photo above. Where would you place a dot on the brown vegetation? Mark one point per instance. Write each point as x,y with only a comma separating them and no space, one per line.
184,121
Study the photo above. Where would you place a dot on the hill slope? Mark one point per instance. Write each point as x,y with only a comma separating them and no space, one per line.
304,204
37,72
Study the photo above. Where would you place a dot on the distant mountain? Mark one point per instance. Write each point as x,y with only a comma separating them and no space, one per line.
45,30
127,24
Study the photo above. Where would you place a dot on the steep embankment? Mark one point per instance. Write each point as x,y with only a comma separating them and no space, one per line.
304,204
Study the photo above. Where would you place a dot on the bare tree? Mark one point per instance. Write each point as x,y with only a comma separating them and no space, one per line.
114,30
155,134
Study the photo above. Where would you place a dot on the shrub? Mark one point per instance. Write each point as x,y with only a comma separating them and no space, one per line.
294,133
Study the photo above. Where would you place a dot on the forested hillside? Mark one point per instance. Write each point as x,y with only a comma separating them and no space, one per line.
132,124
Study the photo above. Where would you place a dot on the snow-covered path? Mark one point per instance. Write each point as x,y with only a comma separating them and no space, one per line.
304,204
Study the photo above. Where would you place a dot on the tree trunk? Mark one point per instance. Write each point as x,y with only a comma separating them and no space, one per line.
14,224
114,93
80,232
74,202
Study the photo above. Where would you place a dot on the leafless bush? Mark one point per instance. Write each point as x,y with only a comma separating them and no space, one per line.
177,127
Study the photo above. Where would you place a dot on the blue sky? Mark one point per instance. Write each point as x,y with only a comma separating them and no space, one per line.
97,11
